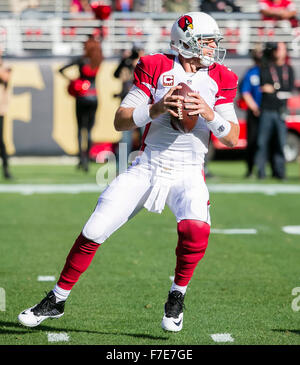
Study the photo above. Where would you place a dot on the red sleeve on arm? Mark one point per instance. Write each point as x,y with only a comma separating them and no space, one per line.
148,70
142,77
227,82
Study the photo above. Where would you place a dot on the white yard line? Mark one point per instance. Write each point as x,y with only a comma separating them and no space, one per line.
234,231
46,278
291,229
91,188
58,337
2,300
222,337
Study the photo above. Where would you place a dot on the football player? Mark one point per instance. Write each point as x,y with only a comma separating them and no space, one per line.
169,169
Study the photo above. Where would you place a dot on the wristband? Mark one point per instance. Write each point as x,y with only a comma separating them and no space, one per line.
219,126
141,115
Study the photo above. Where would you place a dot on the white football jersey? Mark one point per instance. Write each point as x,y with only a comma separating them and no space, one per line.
155,75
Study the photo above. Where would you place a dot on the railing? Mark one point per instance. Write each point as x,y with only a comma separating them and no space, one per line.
50,34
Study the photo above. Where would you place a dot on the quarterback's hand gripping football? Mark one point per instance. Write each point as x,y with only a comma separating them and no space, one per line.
169,103
198,106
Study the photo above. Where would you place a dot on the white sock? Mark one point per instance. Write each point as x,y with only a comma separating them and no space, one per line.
60,294
182,289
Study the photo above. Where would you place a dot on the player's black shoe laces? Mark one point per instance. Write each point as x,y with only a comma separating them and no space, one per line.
174,306
48,306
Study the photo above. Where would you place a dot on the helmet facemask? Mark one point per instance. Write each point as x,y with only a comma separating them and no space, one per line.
194,48
218,52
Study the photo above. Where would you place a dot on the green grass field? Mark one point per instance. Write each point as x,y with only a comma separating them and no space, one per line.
242,287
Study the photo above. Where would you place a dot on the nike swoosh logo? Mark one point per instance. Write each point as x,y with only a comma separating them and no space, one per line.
220,98
177,323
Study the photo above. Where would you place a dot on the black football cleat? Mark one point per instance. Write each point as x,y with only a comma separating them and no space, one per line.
173,317
47,308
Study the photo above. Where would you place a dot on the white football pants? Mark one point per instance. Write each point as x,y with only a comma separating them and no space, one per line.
149,185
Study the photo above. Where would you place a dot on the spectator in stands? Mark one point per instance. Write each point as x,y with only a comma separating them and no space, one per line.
125,72
277,82
123,5
177,6
5,74
140,5
18,6
80,6
227,6
276,10
85,92
251,96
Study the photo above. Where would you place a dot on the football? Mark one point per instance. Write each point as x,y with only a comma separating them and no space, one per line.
184,123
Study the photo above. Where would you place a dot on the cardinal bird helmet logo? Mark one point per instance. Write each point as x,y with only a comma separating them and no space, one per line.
185,23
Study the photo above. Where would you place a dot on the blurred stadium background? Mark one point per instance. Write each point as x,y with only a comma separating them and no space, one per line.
38,36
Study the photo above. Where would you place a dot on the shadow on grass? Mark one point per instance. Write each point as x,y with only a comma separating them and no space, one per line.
297,332
18,329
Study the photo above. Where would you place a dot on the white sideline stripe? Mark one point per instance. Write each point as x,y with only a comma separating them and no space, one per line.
57,337
46,278
43,160
28,189
235,231
222,337
254,188
291,229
